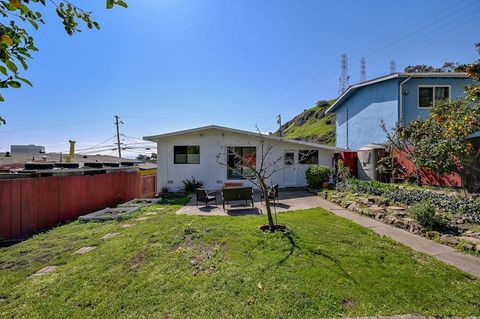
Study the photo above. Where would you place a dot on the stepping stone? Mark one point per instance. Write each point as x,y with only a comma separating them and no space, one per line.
141,218
151,214
2,299
109,235
128,225
43,271
84,250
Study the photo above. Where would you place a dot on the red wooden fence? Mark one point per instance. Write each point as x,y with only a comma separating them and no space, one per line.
31,204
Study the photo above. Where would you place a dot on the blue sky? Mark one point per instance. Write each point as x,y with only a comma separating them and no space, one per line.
166,65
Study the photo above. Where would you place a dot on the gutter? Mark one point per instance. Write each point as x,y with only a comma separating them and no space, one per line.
401,120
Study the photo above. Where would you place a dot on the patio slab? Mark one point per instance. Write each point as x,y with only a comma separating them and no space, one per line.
289,200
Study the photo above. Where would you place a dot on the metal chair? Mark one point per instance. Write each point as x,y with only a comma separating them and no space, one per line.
204,197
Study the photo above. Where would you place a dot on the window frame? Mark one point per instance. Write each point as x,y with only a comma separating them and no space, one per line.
175,162
434,86
242,173
301,161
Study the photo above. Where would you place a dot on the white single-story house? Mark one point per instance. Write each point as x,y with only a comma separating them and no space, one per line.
209,155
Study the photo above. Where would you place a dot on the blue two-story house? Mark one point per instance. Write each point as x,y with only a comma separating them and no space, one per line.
394,98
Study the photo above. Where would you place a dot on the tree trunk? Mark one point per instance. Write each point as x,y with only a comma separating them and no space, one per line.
271,224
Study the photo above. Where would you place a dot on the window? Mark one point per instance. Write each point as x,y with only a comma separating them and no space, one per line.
289,158
186,154
427,95
308,157
241,160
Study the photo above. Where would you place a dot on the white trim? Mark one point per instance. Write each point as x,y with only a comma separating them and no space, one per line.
156,138
432,86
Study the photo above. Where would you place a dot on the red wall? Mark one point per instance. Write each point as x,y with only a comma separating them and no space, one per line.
429,178
31,204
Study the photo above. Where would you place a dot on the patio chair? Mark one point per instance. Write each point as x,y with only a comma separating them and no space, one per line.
272,193
204,197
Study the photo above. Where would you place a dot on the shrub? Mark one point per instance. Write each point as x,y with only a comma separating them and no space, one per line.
441,201
316,175
190,185
425,213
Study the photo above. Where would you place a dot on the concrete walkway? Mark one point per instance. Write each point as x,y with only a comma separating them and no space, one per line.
449,255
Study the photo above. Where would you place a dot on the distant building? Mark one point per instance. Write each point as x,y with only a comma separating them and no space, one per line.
27,149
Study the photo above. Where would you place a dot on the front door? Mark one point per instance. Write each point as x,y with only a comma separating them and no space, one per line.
289,171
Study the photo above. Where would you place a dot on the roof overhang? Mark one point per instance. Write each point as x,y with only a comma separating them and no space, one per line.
351,89
157,138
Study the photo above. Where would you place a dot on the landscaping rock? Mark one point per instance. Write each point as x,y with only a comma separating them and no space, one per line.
109,235
477,249
390,219
399,211
468,246
469,239
84,250
379,216
127,225
449,240
141,218
377,209
151,214
43,271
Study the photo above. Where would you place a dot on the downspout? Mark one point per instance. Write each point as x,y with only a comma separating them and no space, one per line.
401,119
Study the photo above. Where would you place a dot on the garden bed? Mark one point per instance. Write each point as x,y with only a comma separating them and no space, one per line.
455,220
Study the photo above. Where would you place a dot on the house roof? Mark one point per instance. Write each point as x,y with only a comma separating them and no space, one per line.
155,138
353,88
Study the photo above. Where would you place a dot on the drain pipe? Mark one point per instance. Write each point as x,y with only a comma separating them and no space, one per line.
401,120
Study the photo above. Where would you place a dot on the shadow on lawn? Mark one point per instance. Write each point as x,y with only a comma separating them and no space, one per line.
316,251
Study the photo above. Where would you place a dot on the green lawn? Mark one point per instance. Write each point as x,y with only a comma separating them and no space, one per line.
220,267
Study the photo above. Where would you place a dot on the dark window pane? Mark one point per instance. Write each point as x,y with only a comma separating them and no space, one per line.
289,158
186,154
240,162
442,93
425,97
308,157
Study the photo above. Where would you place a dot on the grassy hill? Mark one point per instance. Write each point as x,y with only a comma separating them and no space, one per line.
312,125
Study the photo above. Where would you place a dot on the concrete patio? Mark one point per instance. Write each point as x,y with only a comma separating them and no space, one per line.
289,199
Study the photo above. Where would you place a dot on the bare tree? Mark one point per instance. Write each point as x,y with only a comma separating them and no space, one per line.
260,174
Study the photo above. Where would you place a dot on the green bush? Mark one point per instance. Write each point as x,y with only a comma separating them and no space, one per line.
447,203
190,185
316,175
425,213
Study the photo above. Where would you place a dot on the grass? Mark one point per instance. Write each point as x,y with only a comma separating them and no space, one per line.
172,266
319,127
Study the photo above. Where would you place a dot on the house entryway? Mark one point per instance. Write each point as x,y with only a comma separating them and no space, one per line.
289,170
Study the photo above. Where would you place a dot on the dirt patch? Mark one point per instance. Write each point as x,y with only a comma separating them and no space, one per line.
202,257
137,261
348,304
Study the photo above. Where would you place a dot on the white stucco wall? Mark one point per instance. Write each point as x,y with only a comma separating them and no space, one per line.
213,174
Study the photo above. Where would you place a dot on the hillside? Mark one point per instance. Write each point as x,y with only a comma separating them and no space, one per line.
312,125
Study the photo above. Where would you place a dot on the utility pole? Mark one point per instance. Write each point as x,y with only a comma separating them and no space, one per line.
117,124
279,122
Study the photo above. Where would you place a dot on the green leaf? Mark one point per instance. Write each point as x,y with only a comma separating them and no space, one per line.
110,4
122,3
24,80
3,70
14,84
11,66
33,23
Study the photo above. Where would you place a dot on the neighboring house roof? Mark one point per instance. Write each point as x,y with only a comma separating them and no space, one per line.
155,138
353,88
